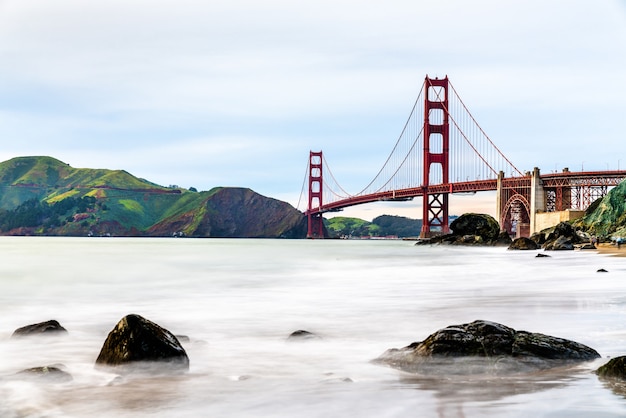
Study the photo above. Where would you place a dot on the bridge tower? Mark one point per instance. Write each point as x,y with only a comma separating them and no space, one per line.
315,220
435,154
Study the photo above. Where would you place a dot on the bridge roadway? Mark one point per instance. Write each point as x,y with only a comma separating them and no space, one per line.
531,194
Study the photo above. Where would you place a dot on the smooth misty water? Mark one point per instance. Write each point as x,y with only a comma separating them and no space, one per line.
238,300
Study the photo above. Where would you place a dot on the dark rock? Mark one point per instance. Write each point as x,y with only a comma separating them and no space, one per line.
615,368
523,243
472,229
301,335
602,271
613,375
46,374
48,328
482,225
503,239
539,238
541,255
562,237
137,343
484,347
559,244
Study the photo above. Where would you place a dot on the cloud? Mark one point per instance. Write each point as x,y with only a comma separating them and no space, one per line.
238,92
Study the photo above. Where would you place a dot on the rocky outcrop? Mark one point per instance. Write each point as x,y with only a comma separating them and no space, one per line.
138,344
51,327
562,237
484,347
472,229
523,243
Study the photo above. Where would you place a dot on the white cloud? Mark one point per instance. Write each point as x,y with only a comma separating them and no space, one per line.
238,92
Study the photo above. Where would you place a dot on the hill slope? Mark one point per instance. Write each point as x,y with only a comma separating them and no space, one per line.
608,217
381,226
44,196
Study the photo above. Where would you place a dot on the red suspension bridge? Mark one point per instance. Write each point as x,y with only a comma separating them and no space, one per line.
442,150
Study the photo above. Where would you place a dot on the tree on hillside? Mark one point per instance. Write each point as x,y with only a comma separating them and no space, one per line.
398,225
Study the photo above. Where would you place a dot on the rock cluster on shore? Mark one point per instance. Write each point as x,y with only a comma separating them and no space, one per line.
472,229
561,237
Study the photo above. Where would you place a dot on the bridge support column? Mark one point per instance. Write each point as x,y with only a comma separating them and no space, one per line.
499,199
537,199
315,220
435,154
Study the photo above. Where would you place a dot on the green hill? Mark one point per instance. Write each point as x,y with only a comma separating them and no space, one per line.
44,196
381,226
607,217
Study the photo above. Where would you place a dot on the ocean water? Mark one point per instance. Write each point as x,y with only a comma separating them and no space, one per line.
238,300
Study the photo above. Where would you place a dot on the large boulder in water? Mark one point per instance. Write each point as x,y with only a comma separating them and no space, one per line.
140,344
48,328
484,347
614,369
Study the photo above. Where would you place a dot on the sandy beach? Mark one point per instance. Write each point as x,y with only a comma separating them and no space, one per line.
608,248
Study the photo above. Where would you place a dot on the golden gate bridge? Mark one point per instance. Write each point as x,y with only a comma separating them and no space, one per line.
442,150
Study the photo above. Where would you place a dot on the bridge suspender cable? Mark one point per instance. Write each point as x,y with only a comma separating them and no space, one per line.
406,124
483,132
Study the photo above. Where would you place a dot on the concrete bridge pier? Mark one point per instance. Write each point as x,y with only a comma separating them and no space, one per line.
537,198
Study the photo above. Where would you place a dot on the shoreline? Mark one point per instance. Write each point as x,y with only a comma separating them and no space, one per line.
611,249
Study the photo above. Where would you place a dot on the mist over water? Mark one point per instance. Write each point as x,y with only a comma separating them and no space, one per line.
238,300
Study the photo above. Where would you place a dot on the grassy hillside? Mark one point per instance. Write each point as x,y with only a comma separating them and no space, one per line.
44,196
608,217
381,226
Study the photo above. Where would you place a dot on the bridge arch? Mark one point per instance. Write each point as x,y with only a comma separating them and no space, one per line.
515,216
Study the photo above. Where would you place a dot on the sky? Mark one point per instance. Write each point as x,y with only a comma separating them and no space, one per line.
236,93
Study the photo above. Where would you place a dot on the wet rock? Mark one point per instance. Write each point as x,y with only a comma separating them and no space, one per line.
484,347
562,237
613,375
302,335
138,344
482,225
49,327
472,229
45,374
559,244
613,369
503,239
539,238
523,243
541,255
